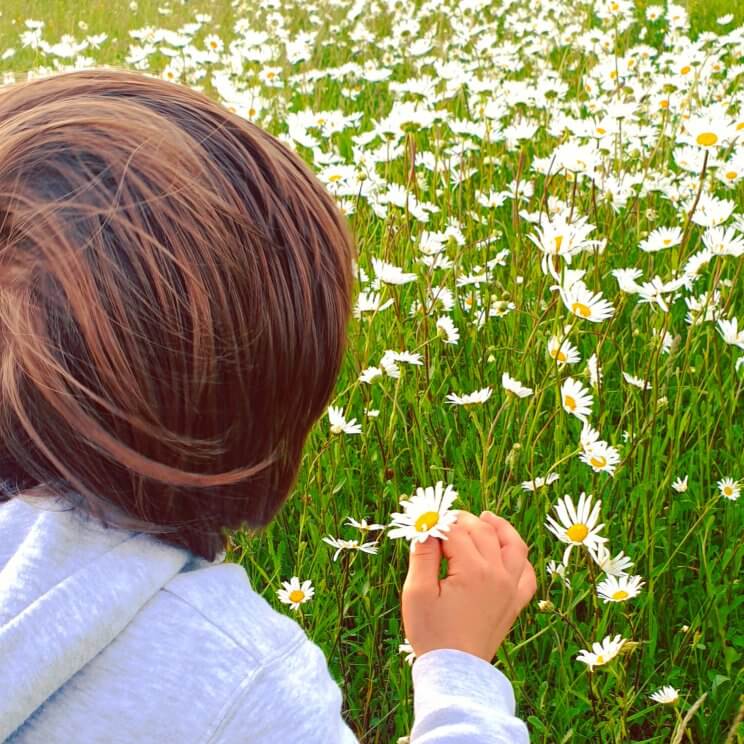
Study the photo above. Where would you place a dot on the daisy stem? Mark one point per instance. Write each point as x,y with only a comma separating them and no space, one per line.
688,224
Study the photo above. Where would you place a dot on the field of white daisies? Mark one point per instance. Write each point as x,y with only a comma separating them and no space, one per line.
547,199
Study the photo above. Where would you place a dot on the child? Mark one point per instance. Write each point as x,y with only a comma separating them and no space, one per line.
175,287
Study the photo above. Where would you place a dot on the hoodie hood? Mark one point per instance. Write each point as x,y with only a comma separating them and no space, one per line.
68,588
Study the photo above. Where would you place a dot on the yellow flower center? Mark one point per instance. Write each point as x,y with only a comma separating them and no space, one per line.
297,595
251,112
619,595
685,69
426,521
731,175
558,242
601,130
666,241
577,532
336,429
270,74
740,126
664,104
213,44
579,308
335,177
613,74
560,356
706,139
569,402
600,659
598,462
728,490
614,6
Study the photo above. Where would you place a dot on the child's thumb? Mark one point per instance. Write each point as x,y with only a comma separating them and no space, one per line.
423,569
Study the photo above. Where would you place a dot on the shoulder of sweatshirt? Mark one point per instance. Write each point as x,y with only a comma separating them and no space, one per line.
222,595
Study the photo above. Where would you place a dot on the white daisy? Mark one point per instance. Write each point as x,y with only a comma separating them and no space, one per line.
564,352
339,424
427,513
680,485
340,544
369,302
363,525
479,396
729,330
407,648
558,569
447,330
576,399
636,381
515,386
390,274
617,566
539,482
601,653
666,695
661,238
595,372
729,488
619,588
585,304
294,593
601,457
369,374
577,525
589,436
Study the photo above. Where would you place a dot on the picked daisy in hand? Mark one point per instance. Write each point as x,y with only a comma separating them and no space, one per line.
619,588
578,525
294,593
427,513
601,653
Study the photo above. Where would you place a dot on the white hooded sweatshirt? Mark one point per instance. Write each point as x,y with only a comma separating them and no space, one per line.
112,637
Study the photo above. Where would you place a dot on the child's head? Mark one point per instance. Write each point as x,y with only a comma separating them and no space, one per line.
175,286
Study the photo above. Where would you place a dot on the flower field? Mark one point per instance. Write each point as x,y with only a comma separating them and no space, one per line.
548,204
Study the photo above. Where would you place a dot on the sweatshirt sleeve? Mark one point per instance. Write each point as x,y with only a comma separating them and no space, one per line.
293,698
460,697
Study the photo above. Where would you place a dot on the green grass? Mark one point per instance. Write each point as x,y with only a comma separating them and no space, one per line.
687,621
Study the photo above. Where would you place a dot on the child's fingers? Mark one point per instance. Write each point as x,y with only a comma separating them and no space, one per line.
423,567
459,548
527,586
485,538
513,548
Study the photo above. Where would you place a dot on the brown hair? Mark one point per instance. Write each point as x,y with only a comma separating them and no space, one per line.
175,286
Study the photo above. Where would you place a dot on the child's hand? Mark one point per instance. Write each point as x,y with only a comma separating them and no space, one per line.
489,581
